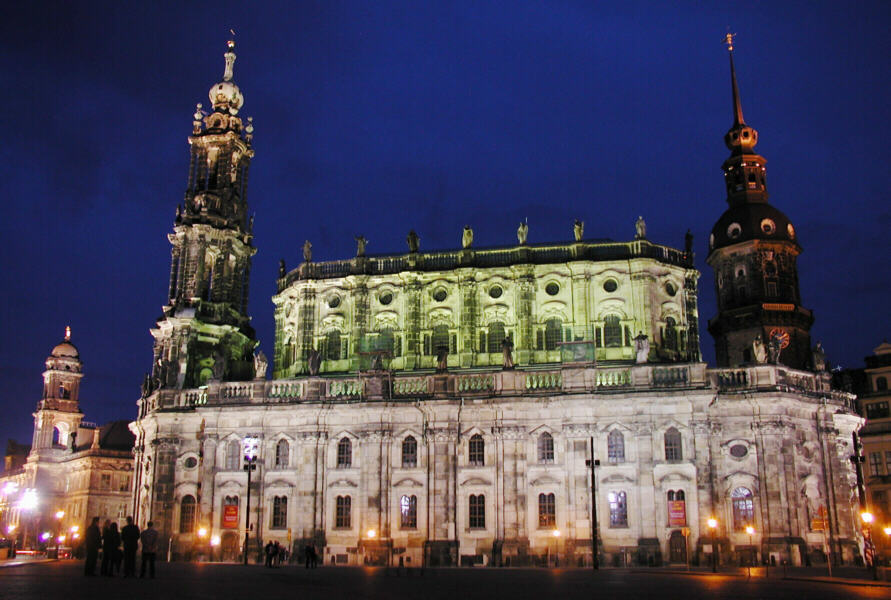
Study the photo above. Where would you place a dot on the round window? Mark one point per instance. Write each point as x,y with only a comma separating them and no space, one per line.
711,240
440,294
768,226
495,291
670,289
791,230
385,298
191,462
552,289
738,451
734,230
610,285
334,301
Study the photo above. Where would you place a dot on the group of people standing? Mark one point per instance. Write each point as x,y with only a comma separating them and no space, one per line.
109,539
276,554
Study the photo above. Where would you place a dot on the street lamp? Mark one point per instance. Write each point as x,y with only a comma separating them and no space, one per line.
751,531
251,445
712,525
214,543
592,462
869,546
371,534
60,514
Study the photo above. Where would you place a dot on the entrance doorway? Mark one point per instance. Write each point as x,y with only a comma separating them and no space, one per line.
677,547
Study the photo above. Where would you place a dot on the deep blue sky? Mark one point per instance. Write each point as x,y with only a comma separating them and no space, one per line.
379,117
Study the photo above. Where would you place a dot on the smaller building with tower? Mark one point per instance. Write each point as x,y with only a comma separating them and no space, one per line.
74,470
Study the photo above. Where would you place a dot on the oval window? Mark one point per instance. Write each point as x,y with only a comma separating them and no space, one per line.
552,289
791,230
670,289
385,298
610,285
768,226
738,451
440,294
734,230
334,301
191,462
495,291
711,240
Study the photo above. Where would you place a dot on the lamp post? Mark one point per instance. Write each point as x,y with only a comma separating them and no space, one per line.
591,462
556,534
250,465
712,525
751,531
869,546
60,514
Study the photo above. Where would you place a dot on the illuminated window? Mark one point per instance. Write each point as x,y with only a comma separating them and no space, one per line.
618,509
476,450
547,511
344,453
282,449
743,508
187,514
477,512
877,410
343,510
279,512
408,512
409,452
545,448
615,447
233,455
673,448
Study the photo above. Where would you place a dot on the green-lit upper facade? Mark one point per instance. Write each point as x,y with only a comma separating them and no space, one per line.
575,301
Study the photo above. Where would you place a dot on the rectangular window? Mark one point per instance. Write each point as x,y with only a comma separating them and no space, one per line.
618,509
408,512
888,462
343,517
877,410
105,481
547,511
477,512
875,463
279,512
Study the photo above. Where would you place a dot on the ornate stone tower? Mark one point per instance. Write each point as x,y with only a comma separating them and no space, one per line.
205,330
753,249
58,412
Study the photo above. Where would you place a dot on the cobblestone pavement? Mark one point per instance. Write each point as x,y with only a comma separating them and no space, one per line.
215,582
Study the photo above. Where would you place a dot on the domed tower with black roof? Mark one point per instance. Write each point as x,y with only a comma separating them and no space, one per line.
753,249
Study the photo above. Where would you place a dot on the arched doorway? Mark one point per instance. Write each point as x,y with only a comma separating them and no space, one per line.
229,547
677,547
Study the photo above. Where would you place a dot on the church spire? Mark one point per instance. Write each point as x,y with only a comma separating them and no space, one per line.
741,139
737,105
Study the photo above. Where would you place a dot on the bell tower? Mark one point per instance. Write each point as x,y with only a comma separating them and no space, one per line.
205,330
58,412
753,249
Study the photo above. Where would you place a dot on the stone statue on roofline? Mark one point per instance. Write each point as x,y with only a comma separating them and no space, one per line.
413,241
282,271
640,229
467,237
260,365
522,232
759,351
578,230
307,251
819,356
361,242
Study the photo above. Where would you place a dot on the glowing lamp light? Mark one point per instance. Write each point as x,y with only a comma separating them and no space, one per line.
29,500
750,530
712,523
60,539
887,530
75,536
10,488
202,532
372,534
215,540
10,528
867,517
60,514
556,533
74,529
44,536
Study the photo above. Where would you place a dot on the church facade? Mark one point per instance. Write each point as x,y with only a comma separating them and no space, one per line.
493,406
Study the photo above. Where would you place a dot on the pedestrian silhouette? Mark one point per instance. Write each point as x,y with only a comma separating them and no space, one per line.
149,539
130,538
92,542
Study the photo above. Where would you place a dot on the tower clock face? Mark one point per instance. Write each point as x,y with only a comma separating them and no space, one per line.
782,335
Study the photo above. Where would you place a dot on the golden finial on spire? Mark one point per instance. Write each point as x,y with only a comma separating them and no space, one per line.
728,39
67,333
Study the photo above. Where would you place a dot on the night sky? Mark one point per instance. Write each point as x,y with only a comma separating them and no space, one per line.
379,117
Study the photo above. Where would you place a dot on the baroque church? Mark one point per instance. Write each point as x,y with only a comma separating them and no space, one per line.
491,406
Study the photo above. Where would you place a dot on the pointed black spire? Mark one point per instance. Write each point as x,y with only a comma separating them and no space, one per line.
737,105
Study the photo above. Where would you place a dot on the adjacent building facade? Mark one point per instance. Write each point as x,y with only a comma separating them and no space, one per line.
443,407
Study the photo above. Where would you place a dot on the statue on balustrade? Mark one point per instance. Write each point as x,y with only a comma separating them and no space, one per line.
642,348
260,365
507,347
759,351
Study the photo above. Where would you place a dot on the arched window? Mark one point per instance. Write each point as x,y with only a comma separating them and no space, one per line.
279,512
332,345
187,514
553,333
476,450
282,449
743,508
547,511
496,336
673,449
612,332
233,455
408,512
545,448
618,509
440,339
409,452
670,339
477,512
344,453
343,512
615,447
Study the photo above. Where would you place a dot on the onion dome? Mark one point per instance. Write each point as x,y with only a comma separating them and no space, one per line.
751,222
225,95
